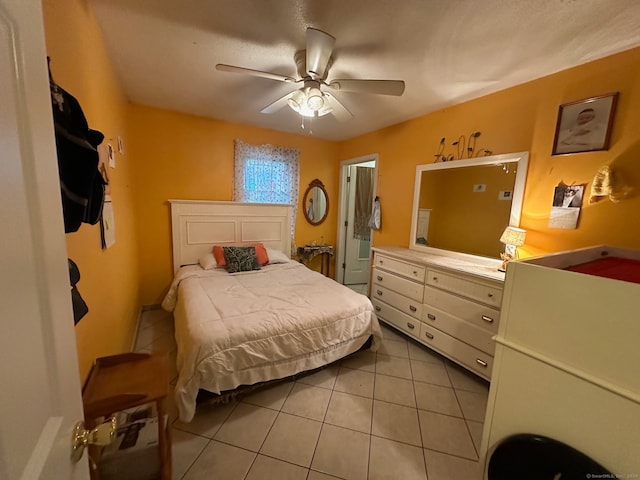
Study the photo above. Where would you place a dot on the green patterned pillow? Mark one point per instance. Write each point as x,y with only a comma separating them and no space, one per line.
241,259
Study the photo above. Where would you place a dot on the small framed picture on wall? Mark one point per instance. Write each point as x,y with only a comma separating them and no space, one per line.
585,125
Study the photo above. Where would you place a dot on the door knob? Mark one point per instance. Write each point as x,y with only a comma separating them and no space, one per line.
101,435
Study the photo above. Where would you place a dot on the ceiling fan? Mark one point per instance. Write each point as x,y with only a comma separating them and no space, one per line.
313,66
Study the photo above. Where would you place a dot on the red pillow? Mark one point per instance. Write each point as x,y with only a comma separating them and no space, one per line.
218,253
261,254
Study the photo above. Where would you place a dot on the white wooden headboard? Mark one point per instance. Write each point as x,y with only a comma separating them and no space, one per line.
197,225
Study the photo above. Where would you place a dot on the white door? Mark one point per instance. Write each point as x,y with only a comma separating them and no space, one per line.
357,252
41,398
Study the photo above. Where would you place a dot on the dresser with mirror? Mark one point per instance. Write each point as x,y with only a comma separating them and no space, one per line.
445,290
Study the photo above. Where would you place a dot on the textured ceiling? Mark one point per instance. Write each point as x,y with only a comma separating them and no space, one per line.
446,51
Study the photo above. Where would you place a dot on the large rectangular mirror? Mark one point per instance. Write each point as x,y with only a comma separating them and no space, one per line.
464,205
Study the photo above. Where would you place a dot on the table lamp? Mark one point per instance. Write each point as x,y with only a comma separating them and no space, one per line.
512,237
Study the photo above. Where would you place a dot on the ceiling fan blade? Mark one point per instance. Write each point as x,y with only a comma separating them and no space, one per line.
278,104
380,87
337,109
256,73
319,49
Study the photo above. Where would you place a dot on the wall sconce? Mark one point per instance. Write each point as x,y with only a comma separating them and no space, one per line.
512,237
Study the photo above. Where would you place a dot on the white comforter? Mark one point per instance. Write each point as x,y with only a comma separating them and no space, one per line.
240,329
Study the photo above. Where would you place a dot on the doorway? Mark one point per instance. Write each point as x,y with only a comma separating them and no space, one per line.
358,182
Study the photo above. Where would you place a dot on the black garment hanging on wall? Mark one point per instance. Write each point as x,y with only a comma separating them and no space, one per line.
81,183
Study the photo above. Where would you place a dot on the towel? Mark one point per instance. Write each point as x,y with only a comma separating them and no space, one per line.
374,220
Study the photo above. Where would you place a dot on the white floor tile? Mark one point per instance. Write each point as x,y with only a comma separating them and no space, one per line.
392,460
292,439
222,462
441,466
396,422
437,398
394,390
343,453
357,382
267,468
474,405
247,426
393,366
430,373
185,449
350,411
446,434
307,401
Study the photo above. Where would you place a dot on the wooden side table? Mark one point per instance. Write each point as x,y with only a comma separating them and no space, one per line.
307,253
125,381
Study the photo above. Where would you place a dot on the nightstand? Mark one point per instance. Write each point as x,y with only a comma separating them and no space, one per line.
121,382
307,253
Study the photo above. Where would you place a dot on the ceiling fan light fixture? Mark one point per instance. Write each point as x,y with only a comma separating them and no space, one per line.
315,100
309,103
297,101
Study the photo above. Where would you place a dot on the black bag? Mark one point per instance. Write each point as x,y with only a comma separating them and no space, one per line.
80,308
81,183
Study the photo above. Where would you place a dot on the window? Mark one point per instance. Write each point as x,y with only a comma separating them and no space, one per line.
266,174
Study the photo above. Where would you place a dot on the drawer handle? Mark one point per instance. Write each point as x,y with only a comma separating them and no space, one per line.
435,279
415,272
481,362
487,319
412,308
378,308
490,295
431,316
379,278
411,325
428,335
381,262
379,292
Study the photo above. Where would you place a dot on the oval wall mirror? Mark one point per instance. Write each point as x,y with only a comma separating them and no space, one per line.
315,203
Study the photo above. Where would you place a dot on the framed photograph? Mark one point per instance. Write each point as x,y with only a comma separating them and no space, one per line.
585,125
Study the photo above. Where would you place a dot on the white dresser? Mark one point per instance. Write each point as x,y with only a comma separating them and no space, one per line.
450,303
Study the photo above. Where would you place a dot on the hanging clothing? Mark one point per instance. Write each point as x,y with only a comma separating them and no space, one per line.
363,196
374,221
81,183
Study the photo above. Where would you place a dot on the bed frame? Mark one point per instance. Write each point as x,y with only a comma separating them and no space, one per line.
196,225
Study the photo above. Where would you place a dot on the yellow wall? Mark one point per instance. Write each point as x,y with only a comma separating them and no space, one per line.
523,118
178,156
109,278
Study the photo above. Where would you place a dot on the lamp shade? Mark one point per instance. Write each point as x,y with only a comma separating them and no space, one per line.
513,236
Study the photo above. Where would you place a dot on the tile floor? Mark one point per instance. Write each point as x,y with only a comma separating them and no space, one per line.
401,413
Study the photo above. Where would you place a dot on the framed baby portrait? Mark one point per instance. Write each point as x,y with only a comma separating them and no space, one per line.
585,125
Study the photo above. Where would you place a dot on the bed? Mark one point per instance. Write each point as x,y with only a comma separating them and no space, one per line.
240,329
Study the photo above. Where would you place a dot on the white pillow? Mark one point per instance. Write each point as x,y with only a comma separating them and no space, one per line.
208,261
276,256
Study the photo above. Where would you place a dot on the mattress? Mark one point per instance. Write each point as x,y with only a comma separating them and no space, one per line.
244,328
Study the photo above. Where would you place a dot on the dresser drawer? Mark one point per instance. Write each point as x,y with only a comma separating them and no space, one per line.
479,315
409,270
392,315
403,286
476,290
472,358
402,303
475,336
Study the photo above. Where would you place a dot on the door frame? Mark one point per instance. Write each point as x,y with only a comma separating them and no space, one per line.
342,213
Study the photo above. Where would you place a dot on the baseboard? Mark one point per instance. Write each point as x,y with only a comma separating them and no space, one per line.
141,310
